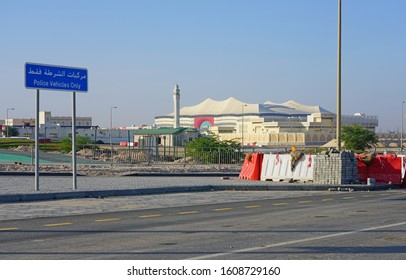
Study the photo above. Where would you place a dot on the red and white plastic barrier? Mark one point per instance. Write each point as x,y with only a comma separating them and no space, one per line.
251,170
277,167
384,169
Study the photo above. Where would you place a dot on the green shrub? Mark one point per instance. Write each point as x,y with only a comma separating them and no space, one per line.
82,142
212,150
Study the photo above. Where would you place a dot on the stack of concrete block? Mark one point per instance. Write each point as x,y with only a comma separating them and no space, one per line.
335,168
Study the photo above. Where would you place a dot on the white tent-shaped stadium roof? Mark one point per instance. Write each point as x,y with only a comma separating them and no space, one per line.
232,106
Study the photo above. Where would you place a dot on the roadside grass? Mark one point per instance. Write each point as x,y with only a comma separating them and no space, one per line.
12,143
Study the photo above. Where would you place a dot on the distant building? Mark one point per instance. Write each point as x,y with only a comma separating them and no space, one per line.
164,136
267,124
19,122
45,118
53,127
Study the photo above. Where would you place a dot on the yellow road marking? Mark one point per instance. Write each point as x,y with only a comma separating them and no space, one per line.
385,194
150,216
349,197
187,212
108,220
305,201
252,206
11,228
279,204
368,195
57,225
328,199
223,209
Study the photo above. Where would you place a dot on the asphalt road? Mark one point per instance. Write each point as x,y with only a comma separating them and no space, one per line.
325,225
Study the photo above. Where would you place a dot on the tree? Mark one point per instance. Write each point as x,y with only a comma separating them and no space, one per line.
11,131
357,138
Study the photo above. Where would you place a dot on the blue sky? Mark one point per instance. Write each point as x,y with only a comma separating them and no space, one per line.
257,50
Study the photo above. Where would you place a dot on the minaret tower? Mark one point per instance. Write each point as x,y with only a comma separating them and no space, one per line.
176,104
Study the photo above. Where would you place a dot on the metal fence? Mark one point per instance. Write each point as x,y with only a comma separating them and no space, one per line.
161,155
152,155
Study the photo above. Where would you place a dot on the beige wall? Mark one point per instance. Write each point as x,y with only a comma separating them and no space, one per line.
280,139
45,117
20,122
317,130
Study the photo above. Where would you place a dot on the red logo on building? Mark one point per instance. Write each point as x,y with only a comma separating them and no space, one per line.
201,122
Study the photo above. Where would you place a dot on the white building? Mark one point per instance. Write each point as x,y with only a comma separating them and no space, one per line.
46,118
55,127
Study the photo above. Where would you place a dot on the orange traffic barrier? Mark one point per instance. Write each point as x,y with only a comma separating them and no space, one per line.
384,168
251,170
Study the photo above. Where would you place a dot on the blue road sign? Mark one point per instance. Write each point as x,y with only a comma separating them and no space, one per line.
52,77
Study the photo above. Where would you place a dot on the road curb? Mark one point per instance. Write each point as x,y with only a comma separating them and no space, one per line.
28,173
10,198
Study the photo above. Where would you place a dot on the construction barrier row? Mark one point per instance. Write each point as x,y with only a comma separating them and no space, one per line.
385,169
277,167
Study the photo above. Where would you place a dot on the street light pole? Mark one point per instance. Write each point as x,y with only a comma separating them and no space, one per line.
401,130
111,124
111,131
6,125
242,124
338,113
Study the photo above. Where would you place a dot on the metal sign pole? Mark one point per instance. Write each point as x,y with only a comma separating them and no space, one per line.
37,141
74,141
